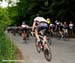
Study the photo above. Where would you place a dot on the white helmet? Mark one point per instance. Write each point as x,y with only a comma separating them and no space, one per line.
57,23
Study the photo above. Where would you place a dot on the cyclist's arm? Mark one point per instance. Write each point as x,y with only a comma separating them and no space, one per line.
33,25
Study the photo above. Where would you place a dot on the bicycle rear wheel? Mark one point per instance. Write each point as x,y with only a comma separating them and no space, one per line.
47,53
58,36
49,40
66,36
24,35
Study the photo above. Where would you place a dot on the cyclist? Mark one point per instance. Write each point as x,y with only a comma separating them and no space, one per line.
57,26
61,29
24,28
65,27
39,24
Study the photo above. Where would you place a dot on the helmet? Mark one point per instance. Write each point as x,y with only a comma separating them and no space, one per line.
48,21
56,21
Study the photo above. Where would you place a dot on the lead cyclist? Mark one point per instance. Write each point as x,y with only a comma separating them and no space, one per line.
39,23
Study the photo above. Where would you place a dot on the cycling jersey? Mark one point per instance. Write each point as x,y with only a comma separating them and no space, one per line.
61,27
71,26
42,23
39,19
65,26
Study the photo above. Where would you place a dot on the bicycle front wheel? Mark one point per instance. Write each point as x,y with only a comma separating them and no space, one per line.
37,46
47,52
66,36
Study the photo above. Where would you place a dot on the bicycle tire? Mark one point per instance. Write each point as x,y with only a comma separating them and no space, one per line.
37,47
25,38
66,36
49,40
47,53
58,36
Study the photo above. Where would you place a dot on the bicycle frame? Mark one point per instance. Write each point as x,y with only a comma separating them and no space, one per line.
45,47
24,35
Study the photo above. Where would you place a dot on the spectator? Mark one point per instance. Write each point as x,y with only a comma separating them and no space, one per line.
71,27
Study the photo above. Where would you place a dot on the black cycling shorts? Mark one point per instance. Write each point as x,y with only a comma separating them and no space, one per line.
24,29
41,26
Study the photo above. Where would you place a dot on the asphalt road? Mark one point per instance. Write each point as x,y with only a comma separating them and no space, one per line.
62,51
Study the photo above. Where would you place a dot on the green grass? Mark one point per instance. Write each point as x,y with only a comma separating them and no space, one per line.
7,49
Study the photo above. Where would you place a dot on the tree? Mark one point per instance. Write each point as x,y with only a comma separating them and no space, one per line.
27,9
4,17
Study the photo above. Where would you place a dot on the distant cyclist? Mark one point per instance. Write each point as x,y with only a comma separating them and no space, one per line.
24,29
57,26
65,27
39,24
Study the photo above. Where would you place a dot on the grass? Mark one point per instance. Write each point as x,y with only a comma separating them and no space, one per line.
7,50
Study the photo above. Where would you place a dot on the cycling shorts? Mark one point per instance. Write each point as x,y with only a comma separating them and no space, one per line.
24,29
41,26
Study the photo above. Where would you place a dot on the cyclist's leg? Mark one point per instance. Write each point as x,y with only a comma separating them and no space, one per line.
40,27
36,34
45,44
44,29
24,33
44,39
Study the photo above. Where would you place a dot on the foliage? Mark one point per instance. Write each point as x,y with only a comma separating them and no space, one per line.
53,9
4,17
7,49
13,14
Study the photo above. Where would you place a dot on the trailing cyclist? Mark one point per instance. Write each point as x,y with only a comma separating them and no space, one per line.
65,27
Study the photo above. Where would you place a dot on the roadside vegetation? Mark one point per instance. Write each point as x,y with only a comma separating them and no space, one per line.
7,49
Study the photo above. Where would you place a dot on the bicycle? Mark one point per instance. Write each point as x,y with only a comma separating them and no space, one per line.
58,35
24,35
45,48
65,34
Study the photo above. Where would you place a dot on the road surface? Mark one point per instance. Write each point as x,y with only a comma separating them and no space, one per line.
62,51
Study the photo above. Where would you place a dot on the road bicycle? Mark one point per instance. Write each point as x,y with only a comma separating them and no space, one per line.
62,35
24,36
66,34
45,48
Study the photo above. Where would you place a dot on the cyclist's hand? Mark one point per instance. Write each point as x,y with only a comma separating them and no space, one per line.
32,33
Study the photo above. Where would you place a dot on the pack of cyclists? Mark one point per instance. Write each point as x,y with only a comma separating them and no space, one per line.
40,23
